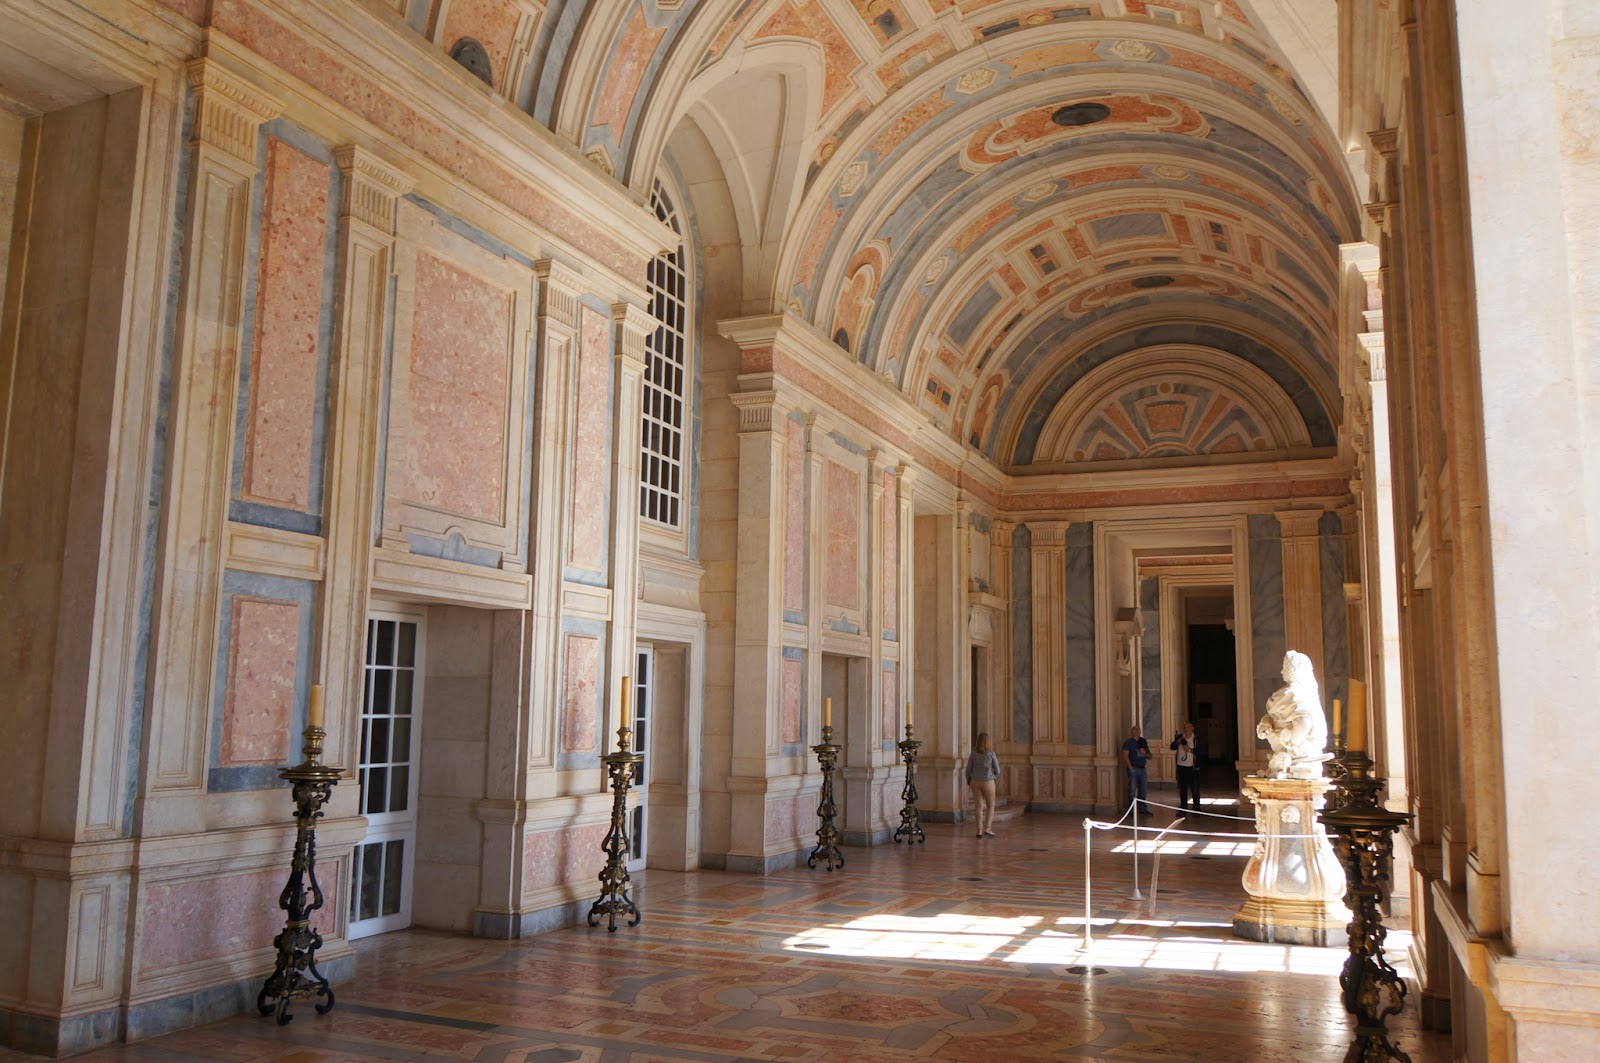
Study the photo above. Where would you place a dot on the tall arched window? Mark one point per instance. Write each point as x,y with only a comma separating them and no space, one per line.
661,468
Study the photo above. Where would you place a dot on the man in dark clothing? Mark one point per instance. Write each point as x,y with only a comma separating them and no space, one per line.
1191,752
1135,754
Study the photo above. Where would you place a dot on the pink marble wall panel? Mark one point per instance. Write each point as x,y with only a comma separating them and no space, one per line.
891,554
623,74
283,385
457,392
580,702
789,724
180,923
557,856
492,23
257,707
591,470
890,705
794,519
844,537
791,817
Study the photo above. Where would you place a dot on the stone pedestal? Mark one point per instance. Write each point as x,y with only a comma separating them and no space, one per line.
1295,883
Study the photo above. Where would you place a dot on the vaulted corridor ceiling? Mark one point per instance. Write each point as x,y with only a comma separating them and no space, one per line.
1103,232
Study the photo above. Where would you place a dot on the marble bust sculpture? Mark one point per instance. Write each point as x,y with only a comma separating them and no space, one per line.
1294,724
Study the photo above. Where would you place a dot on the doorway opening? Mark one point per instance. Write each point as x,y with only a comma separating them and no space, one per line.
1213,693
381,865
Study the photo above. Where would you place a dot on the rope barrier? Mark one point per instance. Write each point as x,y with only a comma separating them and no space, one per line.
1090,825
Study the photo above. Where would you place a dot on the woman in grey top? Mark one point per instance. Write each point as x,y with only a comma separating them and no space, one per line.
983,768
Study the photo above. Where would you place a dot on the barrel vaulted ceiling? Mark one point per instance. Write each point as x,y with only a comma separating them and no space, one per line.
1095,231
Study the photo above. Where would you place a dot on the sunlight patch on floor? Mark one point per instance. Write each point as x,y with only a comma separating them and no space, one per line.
1152,943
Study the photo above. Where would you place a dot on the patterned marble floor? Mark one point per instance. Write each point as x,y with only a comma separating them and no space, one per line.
961,949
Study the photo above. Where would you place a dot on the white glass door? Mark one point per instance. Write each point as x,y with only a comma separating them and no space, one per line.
638,833
380,890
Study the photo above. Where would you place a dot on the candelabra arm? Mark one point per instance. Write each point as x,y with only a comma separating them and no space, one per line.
827,848
910,819
296,973
615,897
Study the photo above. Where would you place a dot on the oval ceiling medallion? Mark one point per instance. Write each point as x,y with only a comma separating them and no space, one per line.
1076,114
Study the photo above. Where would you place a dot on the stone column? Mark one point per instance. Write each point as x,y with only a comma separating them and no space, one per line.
1302,585
367,226
1049,636
1000,657
633,326
758,623
205,386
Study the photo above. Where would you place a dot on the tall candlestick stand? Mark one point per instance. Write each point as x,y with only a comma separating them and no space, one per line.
1364,841
614,896
910,818
296,974
827,833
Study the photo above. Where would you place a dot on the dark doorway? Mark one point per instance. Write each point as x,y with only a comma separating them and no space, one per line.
1213,697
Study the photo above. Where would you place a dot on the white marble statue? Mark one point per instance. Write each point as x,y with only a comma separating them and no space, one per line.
1294,724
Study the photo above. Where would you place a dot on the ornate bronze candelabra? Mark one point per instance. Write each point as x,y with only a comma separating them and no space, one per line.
910,819
827,833
614,896
296,974
1364,841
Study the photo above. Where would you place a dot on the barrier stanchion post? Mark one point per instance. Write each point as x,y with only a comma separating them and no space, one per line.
1088,886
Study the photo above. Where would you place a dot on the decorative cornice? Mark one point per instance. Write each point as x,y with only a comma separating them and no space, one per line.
371,187
559,288
758,410
634,326
229,112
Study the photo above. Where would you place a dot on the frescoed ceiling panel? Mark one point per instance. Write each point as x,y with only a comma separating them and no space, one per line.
989,202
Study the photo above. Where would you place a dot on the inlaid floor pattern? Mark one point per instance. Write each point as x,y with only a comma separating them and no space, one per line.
961,949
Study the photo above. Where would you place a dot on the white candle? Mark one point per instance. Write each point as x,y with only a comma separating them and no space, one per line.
627,688
908,714
314,707
827,712
1356,738
1336,721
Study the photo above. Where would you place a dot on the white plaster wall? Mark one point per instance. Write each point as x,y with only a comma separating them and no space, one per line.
1535,212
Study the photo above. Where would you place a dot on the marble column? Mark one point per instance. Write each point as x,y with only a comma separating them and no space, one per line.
371,189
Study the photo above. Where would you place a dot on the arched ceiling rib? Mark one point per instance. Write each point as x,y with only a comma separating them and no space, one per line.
949,232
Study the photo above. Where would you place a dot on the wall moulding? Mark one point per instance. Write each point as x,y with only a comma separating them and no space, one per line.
410,577
250,548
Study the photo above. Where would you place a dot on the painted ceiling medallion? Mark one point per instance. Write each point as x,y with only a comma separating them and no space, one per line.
1042,190
1170,172
850,181
1133,51
975,80
1079,114
1283,107
936,269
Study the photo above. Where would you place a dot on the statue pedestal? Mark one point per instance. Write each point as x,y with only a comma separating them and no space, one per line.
1295,883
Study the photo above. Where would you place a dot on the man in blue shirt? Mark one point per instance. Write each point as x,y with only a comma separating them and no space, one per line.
1135,754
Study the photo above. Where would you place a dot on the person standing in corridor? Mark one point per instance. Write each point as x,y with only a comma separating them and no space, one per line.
1135,755
983,768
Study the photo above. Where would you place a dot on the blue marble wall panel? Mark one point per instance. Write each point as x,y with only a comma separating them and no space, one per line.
1080,634
1150,658
1268,636
1022,635
1335,616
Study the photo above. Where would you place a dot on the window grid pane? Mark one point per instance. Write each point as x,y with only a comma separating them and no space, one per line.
666,351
